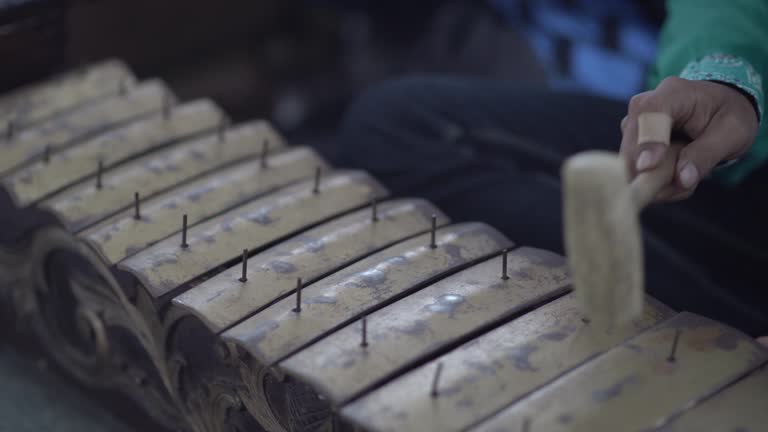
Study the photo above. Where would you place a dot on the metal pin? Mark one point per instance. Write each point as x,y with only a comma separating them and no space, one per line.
167,104
374,210
47,153
673,351
184,244
364,334
436,380
9,130
504,274
243,277
99,171
316,189
136,209
264,153
297,309
222,130
433,233
81,66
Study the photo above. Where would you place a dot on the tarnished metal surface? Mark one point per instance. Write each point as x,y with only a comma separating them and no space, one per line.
742,407
57,132
72,164
278,331
412,328
36,102
634,386
486,374
166,265
83,204
221,190
450,344
224,300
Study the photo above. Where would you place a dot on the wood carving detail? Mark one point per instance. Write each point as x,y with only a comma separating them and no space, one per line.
72,305
168,318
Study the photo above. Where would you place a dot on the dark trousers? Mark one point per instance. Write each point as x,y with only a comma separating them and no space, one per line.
491,151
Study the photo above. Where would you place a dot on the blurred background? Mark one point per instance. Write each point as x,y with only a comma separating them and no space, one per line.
299,63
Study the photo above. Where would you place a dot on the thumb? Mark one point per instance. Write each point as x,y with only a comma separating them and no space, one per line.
697,159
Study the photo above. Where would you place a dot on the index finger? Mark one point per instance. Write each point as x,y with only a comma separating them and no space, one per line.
666,98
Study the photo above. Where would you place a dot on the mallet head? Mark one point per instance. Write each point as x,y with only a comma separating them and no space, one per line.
602,238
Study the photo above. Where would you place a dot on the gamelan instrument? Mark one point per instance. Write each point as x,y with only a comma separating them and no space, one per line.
227,281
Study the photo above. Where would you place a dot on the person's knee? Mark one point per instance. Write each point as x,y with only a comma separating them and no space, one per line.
385,116
387,99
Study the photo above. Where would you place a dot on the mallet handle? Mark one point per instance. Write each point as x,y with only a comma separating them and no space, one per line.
654,127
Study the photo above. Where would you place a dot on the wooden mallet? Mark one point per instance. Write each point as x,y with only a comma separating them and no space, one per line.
603,241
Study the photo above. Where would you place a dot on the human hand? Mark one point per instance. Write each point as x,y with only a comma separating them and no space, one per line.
719,119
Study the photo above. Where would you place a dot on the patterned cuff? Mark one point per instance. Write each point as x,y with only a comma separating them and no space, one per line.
731,70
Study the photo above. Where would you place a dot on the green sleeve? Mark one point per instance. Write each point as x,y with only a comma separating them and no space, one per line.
723,40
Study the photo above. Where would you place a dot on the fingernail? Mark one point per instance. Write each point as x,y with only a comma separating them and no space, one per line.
644,161
688,174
